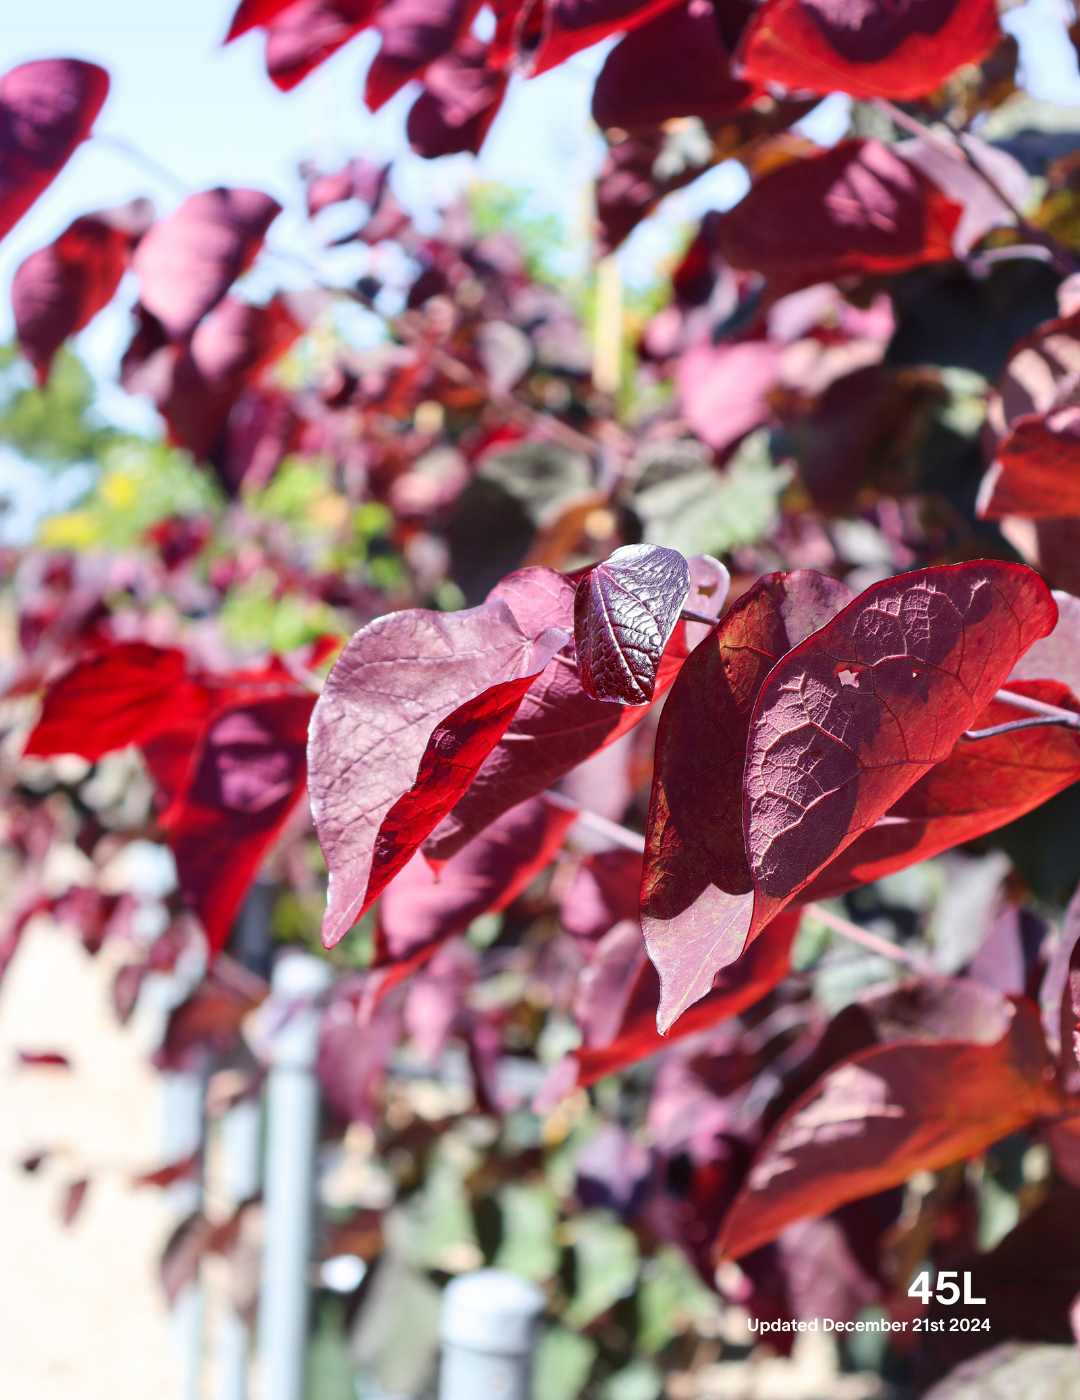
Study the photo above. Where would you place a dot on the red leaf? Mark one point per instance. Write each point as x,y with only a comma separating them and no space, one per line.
46,109
855,209
625,611
871,702
603,892
50,1059
246,778
458,104
634,1036
1034,472
869,50
306,33
196,386
568,26
254,14
557,725
884,1114
409,712
978,788
125,695
59,289
697,879
189,260
210,1018
673,66
74,1199
414,33
419,908
187,1169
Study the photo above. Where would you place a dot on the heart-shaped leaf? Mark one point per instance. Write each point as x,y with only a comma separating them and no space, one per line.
852,718
855,209
625,611
409,711
697,880
871,50
188,261
46,109
884,1114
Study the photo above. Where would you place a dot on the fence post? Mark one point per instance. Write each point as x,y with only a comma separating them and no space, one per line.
488,1333
241,1130
292,1110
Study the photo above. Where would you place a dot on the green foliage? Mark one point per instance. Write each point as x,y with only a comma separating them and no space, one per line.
498,208
53,425
140,484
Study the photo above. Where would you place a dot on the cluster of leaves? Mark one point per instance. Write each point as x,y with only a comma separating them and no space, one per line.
642,683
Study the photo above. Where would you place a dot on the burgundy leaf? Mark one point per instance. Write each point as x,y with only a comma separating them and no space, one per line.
246,778
957,173
855,209
196,386
306,33
410,710
60,289
603,892
187,1169
673,66
625,611
736,988
855,715
414,34
884,1114
871,49
46,109
189,260
982,785
557,725
419,908
49,1059
697,877
207,1023
360,179
459,102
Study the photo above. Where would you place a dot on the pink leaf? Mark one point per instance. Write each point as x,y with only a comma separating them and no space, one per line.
189,260
409,711
46,109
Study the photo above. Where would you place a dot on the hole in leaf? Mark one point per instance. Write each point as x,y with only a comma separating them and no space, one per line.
850,678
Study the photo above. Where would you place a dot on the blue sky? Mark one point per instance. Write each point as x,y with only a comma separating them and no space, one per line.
208,115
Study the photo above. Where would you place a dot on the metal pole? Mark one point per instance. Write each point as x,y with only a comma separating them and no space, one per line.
185,1094
292,1106
241,1127
488,1332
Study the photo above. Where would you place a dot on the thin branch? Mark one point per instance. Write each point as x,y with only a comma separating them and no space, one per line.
870,941
688,615
1039,707
148,163
621,835
1035,722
